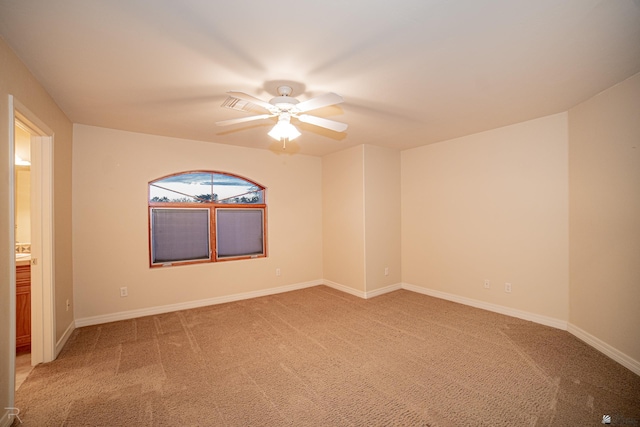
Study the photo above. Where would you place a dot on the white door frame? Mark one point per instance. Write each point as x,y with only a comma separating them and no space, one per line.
43,335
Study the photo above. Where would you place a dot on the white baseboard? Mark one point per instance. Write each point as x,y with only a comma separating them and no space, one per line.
382,291
150,311
345,289
363,294
613,353
520,314
64,338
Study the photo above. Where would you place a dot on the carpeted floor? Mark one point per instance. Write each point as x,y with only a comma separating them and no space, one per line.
319,357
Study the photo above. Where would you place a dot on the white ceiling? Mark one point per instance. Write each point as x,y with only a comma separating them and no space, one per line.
411,72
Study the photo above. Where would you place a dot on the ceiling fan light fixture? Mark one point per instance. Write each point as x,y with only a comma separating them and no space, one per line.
284,130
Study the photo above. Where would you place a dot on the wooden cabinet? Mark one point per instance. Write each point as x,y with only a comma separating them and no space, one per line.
23,307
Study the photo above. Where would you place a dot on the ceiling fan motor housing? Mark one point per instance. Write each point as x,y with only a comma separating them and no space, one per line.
284,102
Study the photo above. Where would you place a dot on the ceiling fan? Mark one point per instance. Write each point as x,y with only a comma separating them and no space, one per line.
284,107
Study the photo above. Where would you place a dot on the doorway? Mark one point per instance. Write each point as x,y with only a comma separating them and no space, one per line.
22,212
37,226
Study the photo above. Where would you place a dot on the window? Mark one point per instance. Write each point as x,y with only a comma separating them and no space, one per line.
204,216
179,234
239,232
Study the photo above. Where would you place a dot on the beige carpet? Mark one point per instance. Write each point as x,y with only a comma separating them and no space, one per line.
319,357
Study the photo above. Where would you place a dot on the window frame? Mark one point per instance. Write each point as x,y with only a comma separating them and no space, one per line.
213,206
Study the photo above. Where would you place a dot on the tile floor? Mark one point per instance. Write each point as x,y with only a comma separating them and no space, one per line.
23,368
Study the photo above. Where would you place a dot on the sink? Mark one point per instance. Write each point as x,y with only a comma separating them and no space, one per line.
23,257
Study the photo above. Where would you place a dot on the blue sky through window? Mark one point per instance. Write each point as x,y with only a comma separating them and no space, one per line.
203,186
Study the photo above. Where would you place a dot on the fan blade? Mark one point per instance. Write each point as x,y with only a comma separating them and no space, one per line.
252,99
324,123
319,102
243,119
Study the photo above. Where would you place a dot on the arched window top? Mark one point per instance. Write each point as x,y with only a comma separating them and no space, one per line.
205,187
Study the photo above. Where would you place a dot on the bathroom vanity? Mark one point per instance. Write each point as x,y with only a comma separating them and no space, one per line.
23,304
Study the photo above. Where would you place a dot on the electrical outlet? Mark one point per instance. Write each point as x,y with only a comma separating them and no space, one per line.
277,272
124,292
507,287
487,284
386,271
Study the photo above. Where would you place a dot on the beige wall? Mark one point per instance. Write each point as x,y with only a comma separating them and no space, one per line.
23,205
382,216
343,218
16,80
604,156
493,205
361,219
23,188
111,171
